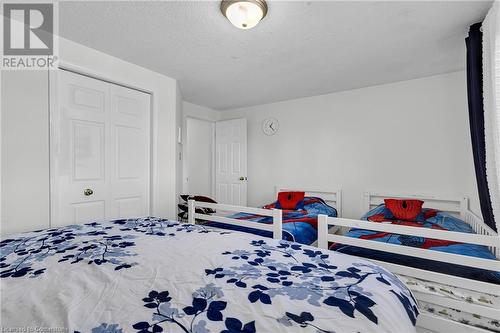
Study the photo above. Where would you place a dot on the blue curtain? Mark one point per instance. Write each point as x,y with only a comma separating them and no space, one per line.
476,117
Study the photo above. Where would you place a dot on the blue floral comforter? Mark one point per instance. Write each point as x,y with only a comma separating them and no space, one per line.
154,275
299,226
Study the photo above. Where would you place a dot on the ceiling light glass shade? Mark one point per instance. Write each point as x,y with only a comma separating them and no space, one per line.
244,14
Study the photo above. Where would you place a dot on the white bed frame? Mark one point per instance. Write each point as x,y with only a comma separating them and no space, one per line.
332,198
454,205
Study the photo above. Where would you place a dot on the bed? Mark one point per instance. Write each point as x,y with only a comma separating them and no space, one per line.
155,275
447,256
299,225
429,219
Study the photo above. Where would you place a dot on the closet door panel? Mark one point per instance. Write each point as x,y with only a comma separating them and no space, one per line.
101,158
80,175
130,163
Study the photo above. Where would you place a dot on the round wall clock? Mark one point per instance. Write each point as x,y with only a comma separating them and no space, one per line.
270,126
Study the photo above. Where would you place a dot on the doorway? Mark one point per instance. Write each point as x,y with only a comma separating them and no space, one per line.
200,156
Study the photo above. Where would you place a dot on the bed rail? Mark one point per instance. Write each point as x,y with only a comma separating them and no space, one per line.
276,227
492,241
481,229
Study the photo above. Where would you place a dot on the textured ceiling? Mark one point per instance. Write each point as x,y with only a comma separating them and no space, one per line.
300,49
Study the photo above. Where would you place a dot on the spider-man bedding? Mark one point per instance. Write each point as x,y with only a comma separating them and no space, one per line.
298,225
427,218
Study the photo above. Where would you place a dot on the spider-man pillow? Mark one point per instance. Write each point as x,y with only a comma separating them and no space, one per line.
404,209
290,200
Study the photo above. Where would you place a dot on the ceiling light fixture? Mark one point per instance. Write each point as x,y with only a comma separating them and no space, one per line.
244,14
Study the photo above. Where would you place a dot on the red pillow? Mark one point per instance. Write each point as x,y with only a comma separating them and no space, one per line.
290,200
407,210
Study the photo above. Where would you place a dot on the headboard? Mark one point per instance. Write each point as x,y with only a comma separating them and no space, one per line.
332,198
457,206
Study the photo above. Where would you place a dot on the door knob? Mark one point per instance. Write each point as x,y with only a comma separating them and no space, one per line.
88,191
243,178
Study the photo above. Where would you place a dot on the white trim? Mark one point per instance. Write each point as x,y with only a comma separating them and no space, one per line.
96,75
331,197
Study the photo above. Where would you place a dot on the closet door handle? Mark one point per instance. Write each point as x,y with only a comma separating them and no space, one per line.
88,191
243,178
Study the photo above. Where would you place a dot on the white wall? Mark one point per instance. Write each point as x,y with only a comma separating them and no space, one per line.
409,136
25,150
26,108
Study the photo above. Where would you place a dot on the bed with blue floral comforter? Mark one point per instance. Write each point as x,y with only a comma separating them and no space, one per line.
155,275
299,226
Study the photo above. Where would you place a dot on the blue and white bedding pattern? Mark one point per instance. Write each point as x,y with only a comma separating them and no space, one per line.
154,275
299,226
429,218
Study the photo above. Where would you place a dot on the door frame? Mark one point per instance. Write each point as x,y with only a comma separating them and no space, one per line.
53,122
185,181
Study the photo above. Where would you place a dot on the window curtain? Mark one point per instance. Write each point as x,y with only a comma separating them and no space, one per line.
491,98
476,118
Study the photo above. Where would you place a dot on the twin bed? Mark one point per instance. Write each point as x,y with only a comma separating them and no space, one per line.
299,224
154,275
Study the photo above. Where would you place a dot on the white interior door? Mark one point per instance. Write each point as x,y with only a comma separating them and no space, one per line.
231,162
200,137
100,150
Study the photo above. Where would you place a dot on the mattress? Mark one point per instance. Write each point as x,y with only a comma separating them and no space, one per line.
156,275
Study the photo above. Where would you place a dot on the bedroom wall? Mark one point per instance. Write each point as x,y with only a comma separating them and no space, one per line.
25,150
409,136
25,160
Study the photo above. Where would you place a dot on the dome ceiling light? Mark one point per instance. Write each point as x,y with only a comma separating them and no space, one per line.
244,14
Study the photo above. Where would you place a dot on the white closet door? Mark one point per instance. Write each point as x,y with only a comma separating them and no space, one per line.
100,151
231,162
